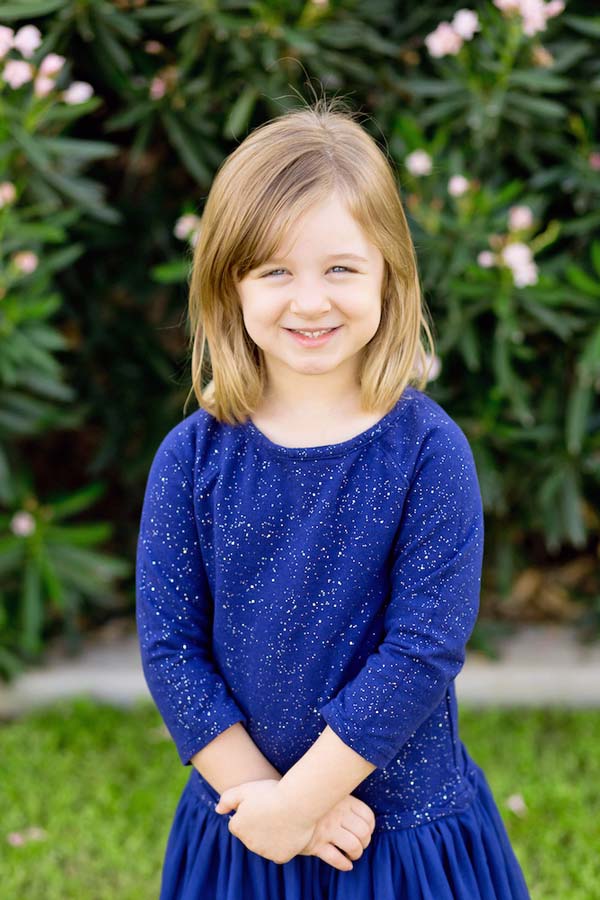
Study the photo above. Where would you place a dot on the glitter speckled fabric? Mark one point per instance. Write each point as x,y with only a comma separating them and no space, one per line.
287,588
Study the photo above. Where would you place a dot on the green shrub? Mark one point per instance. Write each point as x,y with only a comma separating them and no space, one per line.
493,134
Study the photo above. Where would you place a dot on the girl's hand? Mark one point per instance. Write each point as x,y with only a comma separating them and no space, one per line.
263,822
347,827
276,836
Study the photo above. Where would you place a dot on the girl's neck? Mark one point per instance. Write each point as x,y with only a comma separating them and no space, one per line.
319,423
312,407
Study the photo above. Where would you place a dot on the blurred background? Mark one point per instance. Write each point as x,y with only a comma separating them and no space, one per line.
114,117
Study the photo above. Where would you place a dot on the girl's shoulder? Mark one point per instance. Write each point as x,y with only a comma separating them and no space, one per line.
422,430
425,414
189,441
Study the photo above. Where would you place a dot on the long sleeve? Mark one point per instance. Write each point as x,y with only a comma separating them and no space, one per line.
435,575
174,612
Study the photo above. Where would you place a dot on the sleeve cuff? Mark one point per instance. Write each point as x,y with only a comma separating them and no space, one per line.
375,756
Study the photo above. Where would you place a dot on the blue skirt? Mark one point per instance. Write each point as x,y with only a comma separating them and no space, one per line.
465,855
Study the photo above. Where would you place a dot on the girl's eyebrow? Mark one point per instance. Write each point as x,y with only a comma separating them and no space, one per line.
355,256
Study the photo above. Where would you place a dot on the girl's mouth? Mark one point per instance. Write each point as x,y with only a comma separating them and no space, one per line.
318,340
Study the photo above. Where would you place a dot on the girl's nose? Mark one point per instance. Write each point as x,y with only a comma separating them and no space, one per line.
309,300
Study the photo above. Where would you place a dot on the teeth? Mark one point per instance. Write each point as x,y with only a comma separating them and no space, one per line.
313,333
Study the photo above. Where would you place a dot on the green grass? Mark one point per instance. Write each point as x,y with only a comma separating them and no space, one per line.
103,783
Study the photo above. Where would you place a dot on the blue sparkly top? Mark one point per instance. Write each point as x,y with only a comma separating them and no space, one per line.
290,587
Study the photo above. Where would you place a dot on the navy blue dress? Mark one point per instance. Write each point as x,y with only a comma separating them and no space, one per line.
289,588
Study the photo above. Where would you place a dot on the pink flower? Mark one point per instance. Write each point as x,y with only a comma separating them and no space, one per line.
34,833
6,40
519,217
22,523
465,23
51,64
534,19
42,86
432,368
525,275
185,225
15,839
534,13
517,256
418,162
7,193
486,259
17,73
457,185
78,92
158,86
26,261
517,804
594,161
27,40
443,40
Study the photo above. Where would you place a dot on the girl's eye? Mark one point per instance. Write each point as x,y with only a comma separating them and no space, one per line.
283,270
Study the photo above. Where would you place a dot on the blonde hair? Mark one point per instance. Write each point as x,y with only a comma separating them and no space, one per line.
278,172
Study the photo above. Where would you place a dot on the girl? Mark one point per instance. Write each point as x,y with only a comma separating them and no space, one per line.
310,549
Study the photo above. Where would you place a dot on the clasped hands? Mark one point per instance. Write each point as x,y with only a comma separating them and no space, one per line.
267,825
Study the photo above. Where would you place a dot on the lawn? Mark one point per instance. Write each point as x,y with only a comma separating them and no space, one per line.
102,784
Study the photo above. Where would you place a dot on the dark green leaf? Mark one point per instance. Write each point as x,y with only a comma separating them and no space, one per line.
537,105
27,9
596,257
79,149
188,148
582,280
240,113
173,272
538,80
429,87
587,25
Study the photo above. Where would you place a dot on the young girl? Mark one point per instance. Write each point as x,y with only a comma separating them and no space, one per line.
310,549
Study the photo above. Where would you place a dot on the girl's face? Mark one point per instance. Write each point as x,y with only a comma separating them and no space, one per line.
330,277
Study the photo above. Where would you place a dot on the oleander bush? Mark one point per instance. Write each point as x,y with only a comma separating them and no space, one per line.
114,119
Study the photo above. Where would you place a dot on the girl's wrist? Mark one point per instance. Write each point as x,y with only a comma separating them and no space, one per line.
270,773
261,772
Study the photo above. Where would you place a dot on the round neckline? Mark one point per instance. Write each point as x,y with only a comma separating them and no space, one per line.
341,448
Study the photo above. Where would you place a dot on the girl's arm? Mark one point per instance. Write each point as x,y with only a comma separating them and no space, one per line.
434,602
231,759
328,772
174,617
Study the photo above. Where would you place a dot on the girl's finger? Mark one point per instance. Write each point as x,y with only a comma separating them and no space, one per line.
359,827
330,854
365,812
347,842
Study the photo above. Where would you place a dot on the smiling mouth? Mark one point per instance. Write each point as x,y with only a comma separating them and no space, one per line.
314,332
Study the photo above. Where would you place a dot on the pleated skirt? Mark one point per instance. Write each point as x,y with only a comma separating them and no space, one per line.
465,855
